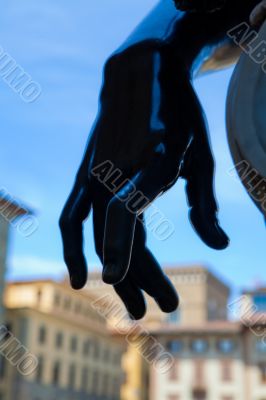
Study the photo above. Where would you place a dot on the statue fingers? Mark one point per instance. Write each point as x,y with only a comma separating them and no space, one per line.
130,294
76,210
122,212
146,272
198,170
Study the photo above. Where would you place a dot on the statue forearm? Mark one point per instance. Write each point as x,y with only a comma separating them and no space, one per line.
258,15
199,5
195,44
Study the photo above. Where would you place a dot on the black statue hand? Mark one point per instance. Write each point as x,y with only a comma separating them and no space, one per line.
151,129
200,5
258,15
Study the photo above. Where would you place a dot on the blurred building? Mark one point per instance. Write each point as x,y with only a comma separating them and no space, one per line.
76,355
84,353
214,358
137,375
215,361
9,213
258,298
203,297
251,303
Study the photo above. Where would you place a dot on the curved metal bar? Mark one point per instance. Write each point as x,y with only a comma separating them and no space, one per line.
246,123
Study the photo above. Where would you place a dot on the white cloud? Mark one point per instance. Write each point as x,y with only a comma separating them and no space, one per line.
25,267
33,267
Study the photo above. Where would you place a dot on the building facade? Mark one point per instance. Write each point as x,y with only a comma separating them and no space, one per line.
10,211
207,306
85,353
77,358
218,361
208,303
214,358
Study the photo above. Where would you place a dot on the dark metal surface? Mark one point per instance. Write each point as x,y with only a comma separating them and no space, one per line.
150,130
199,5
246,123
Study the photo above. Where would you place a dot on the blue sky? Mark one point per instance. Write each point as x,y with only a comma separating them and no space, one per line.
63,45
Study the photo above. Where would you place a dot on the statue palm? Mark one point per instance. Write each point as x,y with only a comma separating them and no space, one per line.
152,129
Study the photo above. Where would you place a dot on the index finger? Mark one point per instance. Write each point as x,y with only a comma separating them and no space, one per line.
76,210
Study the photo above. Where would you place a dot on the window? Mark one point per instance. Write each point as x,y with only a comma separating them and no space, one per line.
199,394
96,350
39,370
78,307
57,299
5,334
88,313
173,317
95,382
42,335
105,384
39,296
262,368
212,309
173,373
226,346
7,327
84,379
226,370
59,340
2,366
116,387
56,373
261,346
67,303
259,300
72,376
73,344
199,372
117,357
199,346
175,346
106,354
86,348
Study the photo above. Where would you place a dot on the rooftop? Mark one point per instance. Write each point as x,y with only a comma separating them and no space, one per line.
10,208
258,290
182,272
